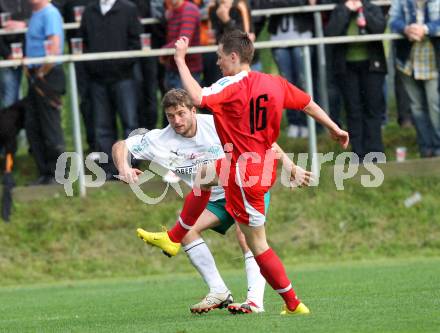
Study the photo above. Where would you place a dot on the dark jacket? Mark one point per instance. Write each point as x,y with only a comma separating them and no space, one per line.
153,9
303,21
66,9
21,11
236,21
338,25
118,30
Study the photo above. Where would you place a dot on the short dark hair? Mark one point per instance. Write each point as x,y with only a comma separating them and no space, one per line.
239,42
176,97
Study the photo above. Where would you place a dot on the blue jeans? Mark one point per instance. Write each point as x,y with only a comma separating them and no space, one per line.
289,62
10,80
425,109
107,100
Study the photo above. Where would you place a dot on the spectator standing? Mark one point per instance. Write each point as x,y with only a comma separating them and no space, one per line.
106,26
183,19
45,35
10,78
146,69
211,73
360,69
68,8
290,59
418,59
228,15
334,95
258,23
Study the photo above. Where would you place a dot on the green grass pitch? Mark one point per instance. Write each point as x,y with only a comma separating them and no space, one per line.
374,296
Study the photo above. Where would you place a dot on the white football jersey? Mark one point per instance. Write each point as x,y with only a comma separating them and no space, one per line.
179,154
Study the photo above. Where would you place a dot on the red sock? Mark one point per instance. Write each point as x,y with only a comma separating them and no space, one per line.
192,209
273,271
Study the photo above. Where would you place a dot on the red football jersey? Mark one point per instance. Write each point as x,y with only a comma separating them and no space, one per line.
248,107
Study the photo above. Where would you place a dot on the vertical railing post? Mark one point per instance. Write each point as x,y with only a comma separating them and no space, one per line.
322,66
313,147
77,128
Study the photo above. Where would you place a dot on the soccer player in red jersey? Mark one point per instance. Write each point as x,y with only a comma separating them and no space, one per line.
247,108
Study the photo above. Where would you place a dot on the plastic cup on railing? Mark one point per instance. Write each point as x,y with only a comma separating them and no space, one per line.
4,18
78,12
76,44
48,47
17,50
400,154
145,41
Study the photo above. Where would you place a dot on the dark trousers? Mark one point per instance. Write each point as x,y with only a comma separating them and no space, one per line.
211,72
402,99
364,100
83,82
334,95
146,74
108,99
43,124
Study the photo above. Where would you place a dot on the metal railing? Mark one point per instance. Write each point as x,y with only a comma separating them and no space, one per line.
71,59
319,41
315,9
255,12
195,49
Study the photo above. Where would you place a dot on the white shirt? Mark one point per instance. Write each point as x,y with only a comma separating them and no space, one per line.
286,30
179,154
106,5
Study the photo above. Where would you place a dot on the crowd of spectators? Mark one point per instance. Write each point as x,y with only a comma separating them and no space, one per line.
129,89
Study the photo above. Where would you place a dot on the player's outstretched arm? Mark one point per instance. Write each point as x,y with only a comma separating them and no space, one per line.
337,134
298,176
120,155
189,83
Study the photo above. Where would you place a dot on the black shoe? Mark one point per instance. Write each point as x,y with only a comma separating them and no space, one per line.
50,180
406,123
427,153
43,180
38,182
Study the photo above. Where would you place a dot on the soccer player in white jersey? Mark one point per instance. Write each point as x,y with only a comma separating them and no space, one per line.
188,141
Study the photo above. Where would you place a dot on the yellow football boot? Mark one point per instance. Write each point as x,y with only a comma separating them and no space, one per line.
301,309
161,240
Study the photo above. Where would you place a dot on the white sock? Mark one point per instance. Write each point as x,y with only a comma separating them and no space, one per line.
202,259
256,281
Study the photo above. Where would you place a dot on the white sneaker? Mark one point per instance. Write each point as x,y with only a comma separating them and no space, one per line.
292,131
303,132
212,301
245,308
171,177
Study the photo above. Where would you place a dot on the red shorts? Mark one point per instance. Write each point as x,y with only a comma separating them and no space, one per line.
244,197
